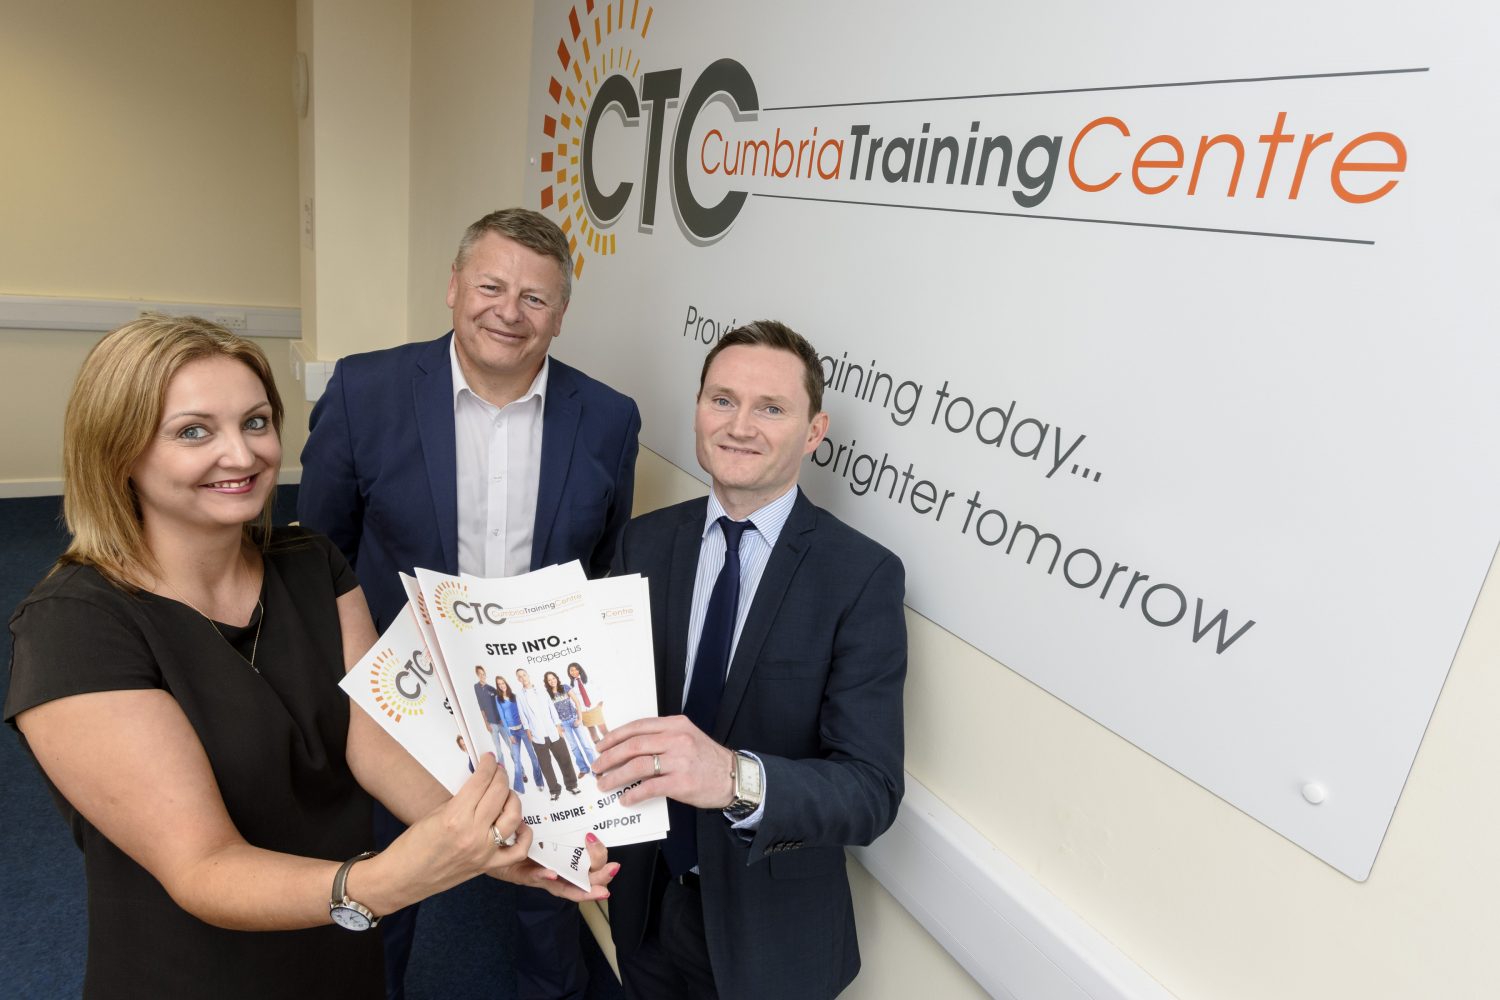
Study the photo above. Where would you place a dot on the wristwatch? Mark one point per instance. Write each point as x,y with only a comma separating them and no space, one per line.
749,787
346,912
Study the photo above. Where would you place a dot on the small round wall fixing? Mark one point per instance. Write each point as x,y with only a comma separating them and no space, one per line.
1314,792
300,84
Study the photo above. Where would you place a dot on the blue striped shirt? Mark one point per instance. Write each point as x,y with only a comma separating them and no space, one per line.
755,552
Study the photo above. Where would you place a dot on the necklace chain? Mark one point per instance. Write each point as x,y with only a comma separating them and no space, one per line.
254,646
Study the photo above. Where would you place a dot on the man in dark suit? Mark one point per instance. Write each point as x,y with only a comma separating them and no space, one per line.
476,453
780,638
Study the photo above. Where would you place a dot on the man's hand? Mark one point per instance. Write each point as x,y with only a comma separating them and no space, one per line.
694,770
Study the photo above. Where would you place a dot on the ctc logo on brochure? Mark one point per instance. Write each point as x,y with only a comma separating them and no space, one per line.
401,687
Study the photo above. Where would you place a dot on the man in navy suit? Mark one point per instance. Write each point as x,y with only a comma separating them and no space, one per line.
477,453
780,637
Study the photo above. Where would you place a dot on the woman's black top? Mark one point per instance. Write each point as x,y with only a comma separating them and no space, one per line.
276,742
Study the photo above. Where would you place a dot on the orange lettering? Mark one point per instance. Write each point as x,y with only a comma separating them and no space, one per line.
1204,145
1073,153
1142,162
1340,164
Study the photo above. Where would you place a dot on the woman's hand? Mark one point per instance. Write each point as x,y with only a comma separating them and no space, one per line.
457,843
451,844
527,872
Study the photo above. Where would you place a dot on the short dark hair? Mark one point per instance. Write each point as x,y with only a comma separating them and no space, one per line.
778,336
532,230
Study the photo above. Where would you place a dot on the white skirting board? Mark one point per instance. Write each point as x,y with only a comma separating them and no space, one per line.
1007,931
45,312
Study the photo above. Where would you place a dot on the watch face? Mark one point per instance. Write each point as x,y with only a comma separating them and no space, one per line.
350,919
747,775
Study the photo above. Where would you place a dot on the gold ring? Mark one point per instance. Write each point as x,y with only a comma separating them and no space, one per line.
656,765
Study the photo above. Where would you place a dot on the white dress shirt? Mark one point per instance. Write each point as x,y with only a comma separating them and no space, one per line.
499,453
538,713
755,552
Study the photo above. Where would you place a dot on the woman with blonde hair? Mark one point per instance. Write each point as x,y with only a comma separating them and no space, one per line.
175,677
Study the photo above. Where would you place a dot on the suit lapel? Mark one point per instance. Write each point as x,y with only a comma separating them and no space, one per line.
560,415
796,537
679,579
432,393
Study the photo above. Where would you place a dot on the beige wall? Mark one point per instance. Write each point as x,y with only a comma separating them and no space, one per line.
37,368
412,134
148,150
354,163
470,63
150,153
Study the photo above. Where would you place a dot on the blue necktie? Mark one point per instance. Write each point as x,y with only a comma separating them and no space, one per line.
709,668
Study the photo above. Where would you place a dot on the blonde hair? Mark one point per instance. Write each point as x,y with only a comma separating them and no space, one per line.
114,411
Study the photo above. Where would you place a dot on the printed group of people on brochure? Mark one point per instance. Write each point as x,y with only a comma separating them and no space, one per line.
517,716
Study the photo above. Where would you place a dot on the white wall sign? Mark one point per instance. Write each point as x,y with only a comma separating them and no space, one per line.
1159,338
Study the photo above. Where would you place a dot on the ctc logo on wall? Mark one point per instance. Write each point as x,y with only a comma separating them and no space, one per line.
597,79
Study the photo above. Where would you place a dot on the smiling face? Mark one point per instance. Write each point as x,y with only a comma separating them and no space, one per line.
753,427
508,304
212,462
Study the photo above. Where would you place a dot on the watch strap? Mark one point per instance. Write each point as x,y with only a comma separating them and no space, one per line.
340,896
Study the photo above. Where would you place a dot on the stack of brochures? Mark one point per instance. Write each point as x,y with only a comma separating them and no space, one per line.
534,669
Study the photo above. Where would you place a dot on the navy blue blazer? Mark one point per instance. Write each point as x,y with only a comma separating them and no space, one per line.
379,472
815,690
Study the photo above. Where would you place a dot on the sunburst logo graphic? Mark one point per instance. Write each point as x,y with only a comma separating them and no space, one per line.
443,598
422,610
615,30
398,700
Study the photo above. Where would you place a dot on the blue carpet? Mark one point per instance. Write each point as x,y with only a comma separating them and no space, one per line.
42,923
463,948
